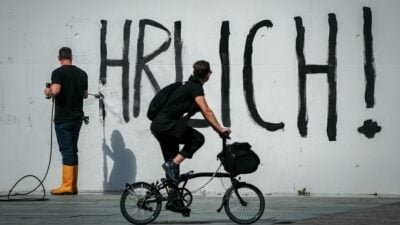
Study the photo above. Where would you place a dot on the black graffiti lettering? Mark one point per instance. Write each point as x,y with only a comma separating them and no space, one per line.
332,64
330,70
302,117
369,67
124,63
225,76
141,62
178,51
248,76
248,79
198,123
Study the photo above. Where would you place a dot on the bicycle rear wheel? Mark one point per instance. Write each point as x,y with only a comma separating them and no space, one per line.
244,204
140,203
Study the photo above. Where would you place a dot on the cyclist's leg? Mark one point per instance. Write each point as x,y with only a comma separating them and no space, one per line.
192,140
175,200
169,147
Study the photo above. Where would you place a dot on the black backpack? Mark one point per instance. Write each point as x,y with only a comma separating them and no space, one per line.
160,99
238,158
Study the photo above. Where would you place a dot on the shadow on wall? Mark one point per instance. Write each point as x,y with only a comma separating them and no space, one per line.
124,167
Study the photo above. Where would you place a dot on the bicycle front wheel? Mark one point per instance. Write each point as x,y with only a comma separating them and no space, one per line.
140,203
244,203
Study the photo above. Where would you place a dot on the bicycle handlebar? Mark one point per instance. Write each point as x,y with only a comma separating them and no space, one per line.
224,138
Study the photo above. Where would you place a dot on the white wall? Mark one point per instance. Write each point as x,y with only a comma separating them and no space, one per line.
33,31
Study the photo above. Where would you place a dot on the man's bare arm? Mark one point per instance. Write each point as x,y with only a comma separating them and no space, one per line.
53,90
209,115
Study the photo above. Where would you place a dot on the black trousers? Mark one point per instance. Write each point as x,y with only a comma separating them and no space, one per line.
67,138
191,138
171,133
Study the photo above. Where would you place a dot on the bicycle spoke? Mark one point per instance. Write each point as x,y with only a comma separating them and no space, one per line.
140,204
245,204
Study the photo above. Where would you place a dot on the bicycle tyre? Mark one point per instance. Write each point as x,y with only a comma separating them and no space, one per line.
140,203
253,207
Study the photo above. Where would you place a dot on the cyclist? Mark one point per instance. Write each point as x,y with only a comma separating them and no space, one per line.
170,126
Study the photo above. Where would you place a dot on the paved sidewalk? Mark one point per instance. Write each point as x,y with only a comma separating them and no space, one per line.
383,215
104,209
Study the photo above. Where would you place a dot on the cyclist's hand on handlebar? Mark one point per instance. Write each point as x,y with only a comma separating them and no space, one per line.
225,132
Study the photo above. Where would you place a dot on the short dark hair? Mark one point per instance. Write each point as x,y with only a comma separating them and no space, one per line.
65,53
201,69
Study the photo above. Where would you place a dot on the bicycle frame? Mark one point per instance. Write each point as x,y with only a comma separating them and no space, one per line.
191,175
154,196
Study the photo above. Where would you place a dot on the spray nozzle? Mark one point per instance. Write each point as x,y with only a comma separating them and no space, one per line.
85,119
48,85
99,95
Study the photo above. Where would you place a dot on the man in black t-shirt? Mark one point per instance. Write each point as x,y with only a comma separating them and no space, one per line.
69,85
170,126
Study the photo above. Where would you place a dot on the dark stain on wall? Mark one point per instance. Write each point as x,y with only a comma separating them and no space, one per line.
369,128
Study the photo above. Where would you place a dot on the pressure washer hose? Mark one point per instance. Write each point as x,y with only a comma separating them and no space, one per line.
10,193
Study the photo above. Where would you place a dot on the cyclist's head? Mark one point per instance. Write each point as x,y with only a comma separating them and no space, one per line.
201,70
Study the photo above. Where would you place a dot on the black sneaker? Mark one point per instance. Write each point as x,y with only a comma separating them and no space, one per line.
177,206
172,171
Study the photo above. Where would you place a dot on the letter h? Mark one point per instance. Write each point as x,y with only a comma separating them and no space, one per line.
329,69
124,63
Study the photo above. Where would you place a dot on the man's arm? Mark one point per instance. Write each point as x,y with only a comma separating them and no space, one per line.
209,115
53,90
85,94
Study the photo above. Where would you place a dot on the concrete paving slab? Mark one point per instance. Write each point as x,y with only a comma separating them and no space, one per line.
383,215
101,209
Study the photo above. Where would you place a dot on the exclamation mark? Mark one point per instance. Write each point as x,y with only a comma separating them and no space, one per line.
370,127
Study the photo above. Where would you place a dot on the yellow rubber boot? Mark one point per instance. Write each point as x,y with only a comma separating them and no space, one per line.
75,180
67,182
